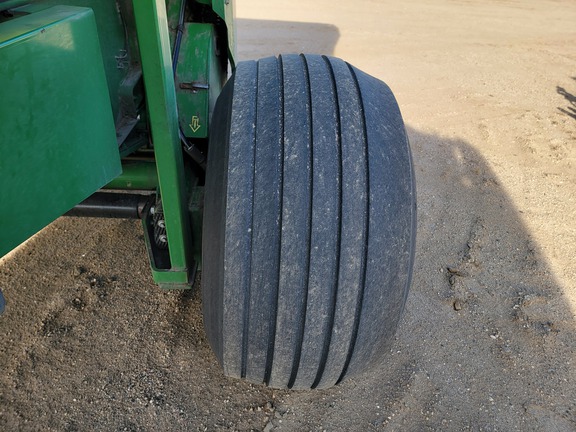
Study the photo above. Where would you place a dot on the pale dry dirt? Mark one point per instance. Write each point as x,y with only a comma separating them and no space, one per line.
488,338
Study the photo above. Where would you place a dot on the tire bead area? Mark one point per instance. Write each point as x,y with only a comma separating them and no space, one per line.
310,222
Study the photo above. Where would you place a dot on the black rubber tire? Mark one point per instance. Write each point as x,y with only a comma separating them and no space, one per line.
309,224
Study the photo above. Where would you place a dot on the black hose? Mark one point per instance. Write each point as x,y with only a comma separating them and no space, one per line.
178,41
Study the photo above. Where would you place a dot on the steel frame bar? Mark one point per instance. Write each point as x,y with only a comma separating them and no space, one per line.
154,43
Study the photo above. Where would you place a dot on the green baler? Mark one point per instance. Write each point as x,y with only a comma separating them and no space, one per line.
289,179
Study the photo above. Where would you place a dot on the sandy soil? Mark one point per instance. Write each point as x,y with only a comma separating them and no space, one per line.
488,339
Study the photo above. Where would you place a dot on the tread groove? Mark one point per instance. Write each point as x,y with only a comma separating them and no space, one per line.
331,317
274,313
358,311
300,336
247,294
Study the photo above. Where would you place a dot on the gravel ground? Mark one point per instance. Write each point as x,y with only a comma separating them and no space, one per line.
488,338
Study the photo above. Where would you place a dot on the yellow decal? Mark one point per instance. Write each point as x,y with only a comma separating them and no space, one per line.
195,123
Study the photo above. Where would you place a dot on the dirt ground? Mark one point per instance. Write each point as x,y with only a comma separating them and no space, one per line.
488,338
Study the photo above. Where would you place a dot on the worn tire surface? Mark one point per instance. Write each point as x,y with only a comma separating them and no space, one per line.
309,225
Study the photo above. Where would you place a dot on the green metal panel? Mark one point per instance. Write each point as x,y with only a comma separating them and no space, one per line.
154,41
198,79
225,9
10,4
111,34
57,140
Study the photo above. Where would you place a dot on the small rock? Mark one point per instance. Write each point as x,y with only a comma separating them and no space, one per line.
457,305
268,427
78,304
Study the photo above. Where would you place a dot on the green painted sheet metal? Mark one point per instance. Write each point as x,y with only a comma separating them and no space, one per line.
11,4
111,34
57,140
225,9
199,79
154,42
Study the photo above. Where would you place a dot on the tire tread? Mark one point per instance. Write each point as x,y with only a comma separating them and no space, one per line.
319,223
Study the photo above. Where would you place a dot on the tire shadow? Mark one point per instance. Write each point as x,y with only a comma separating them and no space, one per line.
495,329
488,338
262,38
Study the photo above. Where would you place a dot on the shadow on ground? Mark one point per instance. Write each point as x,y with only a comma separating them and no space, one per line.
488,339
262,38
89,342
570,98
